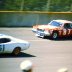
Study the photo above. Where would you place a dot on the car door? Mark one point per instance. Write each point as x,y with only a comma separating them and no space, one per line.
71,29
67,29
3,42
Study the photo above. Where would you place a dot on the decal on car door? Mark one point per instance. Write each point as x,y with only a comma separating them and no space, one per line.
64,32
2,47
69,30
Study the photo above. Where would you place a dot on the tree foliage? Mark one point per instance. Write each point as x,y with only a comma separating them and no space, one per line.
36,5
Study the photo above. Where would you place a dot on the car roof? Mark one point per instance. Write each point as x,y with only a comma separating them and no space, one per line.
63,21
10,37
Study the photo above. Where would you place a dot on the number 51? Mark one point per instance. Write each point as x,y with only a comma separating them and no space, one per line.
0,47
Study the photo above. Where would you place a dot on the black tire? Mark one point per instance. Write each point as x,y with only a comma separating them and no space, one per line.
16,51
54,35
44,37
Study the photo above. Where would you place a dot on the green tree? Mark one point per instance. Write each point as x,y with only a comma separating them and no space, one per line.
36,5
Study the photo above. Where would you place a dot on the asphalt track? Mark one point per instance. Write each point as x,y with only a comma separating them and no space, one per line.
46,55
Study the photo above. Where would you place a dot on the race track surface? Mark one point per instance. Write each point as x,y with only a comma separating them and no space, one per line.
46,55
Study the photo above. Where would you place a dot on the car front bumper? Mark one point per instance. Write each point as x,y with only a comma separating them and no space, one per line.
42,34
34,30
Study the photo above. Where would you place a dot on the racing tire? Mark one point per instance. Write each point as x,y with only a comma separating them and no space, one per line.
16,51
44,37
54,35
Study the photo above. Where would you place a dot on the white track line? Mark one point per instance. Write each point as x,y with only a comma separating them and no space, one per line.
39,40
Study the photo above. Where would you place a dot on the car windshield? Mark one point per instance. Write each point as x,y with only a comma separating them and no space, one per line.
54,23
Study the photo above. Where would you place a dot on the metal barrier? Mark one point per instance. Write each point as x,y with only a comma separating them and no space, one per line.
30,18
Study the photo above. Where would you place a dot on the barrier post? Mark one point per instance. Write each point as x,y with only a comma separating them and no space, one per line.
63,70
26,66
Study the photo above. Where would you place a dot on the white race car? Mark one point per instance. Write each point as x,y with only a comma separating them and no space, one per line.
9,44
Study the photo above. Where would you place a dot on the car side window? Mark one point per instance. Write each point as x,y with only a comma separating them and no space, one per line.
4,40
67,26
71,26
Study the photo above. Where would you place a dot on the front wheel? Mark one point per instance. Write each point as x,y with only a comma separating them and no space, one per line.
54,35
16,51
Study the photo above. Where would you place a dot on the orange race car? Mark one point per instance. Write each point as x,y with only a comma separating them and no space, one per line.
54,29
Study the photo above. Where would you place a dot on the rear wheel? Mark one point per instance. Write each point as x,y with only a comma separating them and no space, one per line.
54,35
16,51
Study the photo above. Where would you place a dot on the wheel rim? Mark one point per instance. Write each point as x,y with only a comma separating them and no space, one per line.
16,51
55,35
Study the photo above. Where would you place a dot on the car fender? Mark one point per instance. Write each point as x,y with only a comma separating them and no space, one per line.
10,47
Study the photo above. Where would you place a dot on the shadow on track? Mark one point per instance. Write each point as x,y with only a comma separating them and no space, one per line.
21,55
60,39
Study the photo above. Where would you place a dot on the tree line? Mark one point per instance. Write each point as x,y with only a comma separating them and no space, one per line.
37,5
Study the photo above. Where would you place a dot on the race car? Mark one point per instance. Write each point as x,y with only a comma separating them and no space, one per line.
54,29
9,44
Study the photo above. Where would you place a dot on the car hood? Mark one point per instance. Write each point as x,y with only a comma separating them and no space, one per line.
47,27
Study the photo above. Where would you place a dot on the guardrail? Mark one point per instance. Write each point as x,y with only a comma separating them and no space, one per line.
30,18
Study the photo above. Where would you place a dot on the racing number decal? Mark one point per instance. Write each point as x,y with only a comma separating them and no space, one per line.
69,31
64,32
2,47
